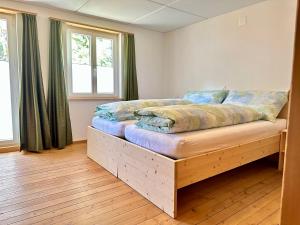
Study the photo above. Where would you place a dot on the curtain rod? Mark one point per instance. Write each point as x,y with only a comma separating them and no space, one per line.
14,11
91,27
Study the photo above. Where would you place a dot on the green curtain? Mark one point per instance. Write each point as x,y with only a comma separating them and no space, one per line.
34,124
130,77
58,107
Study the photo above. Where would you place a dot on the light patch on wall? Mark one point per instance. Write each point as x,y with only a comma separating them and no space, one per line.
242,21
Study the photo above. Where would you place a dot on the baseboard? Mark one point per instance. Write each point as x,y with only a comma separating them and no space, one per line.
14,148
80,141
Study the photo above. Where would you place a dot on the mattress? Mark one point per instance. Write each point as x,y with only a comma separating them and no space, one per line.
110,127
183,145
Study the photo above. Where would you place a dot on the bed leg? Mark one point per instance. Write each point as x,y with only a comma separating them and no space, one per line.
283,137
175,204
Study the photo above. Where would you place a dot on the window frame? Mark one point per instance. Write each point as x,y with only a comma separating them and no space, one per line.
14,71
93,54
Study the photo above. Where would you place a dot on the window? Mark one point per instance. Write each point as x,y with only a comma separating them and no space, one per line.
93,63
8,81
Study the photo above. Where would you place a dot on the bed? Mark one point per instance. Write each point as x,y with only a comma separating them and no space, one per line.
158,176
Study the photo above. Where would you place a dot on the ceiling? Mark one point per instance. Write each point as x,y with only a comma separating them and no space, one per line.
159,15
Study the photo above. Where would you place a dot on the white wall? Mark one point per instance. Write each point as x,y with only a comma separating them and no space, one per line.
217,52
149,54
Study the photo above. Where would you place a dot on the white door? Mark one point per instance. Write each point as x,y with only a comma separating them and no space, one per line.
8,81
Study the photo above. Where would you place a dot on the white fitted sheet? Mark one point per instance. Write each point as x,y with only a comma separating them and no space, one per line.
183,145
111,127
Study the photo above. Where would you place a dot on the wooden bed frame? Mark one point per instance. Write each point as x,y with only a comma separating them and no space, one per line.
157,177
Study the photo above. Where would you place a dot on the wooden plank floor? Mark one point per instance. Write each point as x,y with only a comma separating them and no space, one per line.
65,187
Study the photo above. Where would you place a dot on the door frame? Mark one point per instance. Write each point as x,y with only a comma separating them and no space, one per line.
291,176
14,76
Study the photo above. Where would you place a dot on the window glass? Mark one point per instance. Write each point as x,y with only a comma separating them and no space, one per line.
81,63
6,125
105,68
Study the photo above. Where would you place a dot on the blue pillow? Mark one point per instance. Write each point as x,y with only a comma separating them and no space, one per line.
269,103
206,97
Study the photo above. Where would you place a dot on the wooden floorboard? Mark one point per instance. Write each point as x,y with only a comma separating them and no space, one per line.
65,187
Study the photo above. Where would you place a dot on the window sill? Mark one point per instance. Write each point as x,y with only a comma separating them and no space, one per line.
91,98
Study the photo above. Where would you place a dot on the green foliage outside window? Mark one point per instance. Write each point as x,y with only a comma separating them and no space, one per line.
104,52
81,50
3,41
